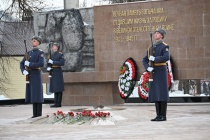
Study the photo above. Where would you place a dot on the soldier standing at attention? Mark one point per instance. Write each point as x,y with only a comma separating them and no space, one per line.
34,89
158,88
56,81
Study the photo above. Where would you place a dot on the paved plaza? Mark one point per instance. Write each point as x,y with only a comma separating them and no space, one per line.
185,121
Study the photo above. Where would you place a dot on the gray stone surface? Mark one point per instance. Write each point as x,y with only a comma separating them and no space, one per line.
87,15
73,61
73,30
187,121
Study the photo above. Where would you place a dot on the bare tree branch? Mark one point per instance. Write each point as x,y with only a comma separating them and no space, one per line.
18,11
22,10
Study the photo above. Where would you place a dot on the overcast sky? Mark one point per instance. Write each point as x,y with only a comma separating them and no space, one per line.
51,3
59,4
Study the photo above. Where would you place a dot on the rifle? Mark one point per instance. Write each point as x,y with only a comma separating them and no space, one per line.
27,58
49,57
1,48
151,63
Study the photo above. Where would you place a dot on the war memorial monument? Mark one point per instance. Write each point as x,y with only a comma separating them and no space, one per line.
96,41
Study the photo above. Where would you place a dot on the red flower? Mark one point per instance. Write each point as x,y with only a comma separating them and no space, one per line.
71,114
122,70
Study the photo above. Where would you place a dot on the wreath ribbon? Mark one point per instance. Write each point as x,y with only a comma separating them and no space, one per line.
127,78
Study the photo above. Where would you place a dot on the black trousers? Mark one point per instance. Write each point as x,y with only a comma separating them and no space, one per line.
161,108
57,99
37,109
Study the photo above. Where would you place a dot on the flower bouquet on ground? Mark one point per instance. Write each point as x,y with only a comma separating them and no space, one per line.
127,78
79,118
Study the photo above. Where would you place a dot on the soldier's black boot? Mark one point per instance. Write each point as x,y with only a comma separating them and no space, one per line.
34,110
39,109
59,99
55,100
163,110
157,107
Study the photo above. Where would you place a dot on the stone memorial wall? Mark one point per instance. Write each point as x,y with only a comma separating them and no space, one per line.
98,40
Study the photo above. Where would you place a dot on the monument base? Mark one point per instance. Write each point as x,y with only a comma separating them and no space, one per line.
91,94
173,100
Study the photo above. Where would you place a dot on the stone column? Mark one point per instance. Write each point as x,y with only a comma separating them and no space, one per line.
69,4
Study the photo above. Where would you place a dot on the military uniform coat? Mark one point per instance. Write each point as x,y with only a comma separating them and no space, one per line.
56,81
34,90
158,88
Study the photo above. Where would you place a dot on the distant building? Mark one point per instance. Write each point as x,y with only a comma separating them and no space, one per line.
12,36
6,17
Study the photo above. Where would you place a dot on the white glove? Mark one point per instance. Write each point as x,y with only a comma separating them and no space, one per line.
150,69
50,61
49,68
25,72
152,58
26,63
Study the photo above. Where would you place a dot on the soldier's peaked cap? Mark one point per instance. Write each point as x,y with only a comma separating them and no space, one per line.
38,38
56,44
161,31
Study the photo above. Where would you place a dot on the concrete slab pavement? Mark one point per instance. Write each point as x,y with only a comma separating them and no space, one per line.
185,121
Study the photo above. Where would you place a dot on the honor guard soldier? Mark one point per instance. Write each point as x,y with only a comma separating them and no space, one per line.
158,88
33,61
56,80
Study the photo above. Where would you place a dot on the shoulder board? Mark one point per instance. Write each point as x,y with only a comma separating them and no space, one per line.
40,50
165,44
60,52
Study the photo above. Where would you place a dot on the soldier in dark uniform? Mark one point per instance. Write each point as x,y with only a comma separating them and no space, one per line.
34,89
158,88
56,81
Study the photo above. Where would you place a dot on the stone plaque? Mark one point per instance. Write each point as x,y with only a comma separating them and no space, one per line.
122,31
